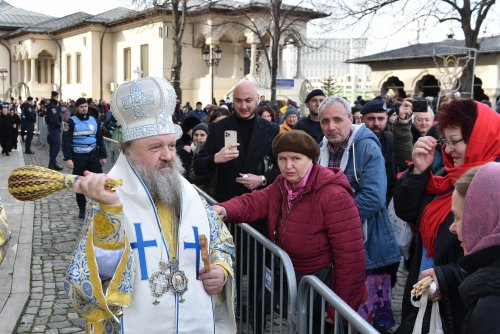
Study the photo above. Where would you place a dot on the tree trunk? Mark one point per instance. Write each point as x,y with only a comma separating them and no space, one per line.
178,26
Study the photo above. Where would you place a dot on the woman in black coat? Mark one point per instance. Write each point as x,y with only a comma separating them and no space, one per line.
5,131
16,121
471,134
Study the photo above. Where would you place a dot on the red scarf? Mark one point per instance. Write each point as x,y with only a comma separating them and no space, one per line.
483,147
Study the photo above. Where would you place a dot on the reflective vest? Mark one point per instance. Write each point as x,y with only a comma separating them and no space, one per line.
84,140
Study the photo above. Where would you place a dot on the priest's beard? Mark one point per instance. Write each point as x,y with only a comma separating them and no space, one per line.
163,187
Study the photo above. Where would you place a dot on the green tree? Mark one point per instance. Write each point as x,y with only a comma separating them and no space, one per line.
329,86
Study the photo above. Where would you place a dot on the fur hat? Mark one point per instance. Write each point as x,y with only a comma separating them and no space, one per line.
296,141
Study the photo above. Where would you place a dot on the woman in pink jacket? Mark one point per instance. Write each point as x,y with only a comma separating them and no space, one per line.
311,214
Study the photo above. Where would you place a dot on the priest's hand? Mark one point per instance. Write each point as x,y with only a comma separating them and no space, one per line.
94,187
213,281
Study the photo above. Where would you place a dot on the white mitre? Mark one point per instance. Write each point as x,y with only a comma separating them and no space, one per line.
144,107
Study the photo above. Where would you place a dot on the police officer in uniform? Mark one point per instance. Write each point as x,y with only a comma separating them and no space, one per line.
53,120
83,145
28,120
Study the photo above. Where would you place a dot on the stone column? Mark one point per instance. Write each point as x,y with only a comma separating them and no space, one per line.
253,58
25,67
33,71
19,75
49,70
280,61
299,62
236,61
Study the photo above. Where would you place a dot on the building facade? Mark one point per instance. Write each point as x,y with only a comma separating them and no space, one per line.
430,69
90,55
324,58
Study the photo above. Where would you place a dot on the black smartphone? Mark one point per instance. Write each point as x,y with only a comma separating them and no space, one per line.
419,105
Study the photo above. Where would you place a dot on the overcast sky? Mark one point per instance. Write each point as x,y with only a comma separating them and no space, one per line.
382,34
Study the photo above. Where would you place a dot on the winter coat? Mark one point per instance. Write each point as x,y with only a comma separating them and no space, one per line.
322,227
256,159
363,165
480,291
410,199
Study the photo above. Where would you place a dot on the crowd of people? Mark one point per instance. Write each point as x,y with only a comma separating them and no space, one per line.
320,186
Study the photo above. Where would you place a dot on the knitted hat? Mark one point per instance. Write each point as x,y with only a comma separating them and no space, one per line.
296,141
201,126
80,101
375,105
480,223
54,94
291,110
313,93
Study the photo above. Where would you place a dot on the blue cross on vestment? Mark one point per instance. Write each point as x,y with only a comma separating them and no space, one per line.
141,245
196,245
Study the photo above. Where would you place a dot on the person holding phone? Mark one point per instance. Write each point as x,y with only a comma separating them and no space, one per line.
241,166
239,148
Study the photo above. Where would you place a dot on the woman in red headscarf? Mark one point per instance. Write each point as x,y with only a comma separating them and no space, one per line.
470,138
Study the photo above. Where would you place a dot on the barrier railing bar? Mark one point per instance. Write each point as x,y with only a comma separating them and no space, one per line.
341,307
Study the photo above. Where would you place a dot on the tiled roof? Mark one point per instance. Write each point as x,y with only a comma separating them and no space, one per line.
12,17
68,21
448,46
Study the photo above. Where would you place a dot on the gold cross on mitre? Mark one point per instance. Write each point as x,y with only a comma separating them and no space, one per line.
139,72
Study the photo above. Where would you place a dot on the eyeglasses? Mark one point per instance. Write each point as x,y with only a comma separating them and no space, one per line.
449,142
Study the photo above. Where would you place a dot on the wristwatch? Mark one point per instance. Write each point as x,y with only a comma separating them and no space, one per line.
263,181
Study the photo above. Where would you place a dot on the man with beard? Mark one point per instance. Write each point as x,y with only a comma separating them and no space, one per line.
374,115
145,237
310,124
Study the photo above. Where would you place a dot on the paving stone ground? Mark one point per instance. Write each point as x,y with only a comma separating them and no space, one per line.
57,229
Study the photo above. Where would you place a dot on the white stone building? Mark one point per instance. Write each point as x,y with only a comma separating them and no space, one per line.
89,55
325,57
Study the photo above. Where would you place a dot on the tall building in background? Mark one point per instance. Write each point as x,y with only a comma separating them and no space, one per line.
324,58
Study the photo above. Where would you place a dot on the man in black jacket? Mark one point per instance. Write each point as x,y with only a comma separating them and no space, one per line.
241,168
310,124
247,165
53,120
374,115
28,120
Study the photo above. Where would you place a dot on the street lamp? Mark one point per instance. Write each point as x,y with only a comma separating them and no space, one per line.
212,59
3,77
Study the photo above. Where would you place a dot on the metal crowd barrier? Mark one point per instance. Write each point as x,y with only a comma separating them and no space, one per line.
42,131
112,149
267,298
309,287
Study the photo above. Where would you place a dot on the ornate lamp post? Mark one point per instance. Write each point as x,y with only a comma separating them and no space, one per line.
3,77
212,59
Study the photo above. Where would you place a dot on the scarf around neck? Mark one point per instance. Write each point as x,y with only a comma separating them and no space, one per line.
483,147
